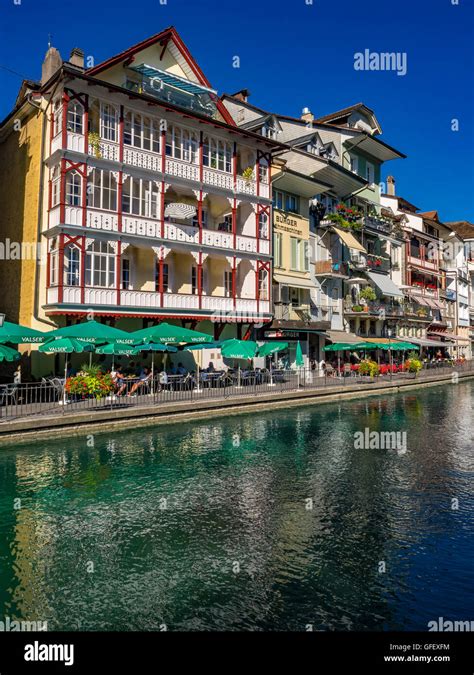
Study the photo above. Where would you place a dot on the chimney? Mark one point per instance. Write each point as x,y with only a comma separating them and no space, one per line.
77,58
391,186
307,115
242,95
52,62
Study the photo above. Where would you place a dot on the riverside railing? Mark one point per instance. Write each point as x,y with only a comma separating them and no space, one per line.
49,398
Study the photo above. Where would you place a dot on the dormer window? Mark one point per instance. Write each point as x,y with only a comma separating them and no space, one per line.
269,130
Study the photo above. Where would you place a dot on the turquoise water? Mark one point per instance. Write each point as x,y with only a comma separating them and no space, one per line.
208,526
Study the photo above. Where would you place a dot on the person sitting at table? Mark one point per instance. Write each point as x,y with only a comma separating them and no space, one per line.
181,370
119,380
210,368
143,378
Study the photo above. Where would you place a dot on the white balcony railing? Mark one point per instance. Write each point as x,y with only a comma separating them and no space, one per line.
152,300
106,150
102,220
141,158
152,161
175,167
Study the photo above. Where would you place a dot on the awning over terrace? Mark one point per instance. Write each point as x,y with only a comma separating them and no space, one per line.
349,240
386,285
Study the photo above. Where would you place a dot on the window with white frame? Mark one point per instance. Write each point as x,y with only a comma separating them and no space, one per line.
141,132
75,113
263,225
228,283
217,154
285,201
57,116
53,262
263,170
102,190
108,122
55,186
73,188
262,284
299,254
72,266
100,265
269,130
182,144
140,197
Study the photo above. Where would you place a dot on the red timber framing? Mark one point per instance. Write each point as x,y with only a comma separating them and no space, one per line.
83,99
262,210
262,266
267,157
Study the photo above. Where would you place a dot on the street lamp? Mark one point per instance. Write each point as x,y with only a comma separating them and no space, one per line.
389,334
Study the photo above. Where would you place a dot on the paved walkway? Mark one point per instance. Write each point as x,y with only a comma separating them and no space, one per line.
165,407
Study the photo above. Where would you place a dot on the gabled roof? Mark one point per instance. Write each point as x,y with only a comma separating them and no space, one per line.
163,38
339,116
431,215
463,228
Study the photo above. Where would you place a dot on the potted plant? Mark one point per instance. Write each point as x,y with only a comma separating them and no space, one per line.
368,294
94,142
369,368
247,174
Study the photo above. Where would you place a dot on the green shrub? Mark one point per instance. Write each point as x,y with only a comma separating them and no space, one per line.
413,365
368,294
97,386
368,367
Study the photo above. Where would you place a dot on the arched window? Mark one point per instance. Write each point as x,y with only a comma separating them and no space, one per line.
100,265
262,284
73,188
57,116
75,113
263,170
72,266
55,186
263,225
53,262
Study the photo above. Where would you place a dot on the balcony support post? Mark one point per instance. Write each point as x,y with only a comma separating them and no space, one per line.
118,270
61,267
83,270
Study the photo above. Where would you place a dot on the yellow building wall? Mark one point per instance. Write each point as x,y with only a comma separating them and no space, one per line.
20,180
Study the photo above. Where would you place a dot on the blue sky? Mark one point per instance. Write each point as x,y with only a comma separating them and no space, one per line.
294,53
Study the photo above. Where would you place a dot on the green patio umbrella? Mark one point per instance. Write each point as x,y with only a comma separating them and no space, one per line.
338,347
16,334
239,349
168,334
66,345
299,355
269,348
114,349
93,331
153,347
9,354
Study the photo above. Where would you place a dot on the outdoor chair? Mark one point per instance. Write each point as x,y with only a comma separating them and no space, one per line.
8,393
329,371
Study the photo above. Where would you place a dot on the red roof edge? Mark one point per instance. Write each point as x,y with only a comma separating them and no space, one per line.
172,33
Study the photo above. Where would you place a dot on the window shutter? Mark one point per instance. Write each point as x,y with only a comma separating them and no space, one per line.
294,253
